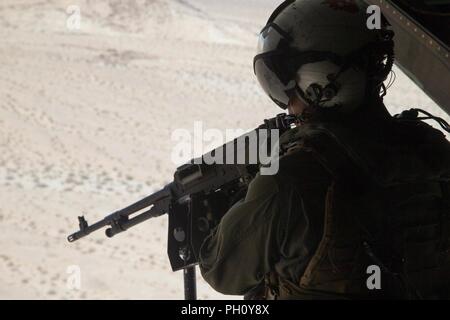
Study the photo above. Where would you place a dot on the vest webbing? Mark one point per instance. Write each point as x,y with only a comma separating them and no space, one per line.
402,226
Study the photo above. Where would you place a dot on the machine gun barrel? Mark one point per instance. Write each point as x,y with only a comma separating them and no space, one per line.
119,221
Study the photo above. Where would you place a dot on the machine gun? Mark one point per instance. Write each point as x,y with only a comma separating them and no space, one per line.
197,198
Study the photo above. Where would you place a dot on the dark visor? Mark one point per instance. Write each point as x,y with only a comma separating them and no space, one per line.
272,41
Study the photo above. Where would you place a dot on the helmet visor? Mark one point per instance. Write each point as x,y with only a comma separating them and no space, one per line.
273,42
267,74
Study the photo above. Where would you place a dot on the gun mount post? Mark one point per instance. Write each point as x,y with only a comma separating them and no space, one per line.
190,283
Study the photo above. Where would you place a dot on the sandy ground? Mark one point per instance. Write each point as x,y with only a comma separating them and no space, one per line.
86,118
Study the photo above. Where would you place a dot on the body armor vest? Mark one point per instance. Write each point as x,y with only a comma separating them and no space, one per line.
387,214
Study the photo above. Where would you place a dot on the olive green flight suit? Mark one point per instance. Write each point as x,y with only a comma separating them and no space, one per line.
280,228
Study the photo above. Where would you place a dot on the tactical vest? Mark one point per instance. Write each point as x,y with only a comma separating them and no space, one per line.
387,209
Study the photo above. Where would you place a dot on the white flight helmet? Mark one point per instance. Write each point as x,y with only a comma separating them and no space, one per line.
324,52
